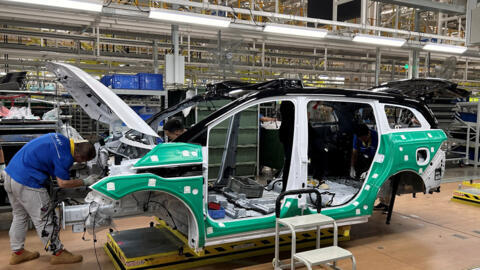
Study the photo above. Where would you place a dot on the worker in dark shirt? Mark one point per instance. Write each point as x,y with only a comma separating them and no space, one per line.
26,178
287,112
365,143
173,128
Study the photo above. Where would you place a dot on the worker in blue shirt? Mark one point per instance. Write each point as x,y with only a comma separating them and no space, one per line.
365,143
25,180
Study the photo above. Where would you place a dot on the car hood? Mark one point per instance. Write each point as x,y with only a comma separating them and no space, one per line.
427,89
97,100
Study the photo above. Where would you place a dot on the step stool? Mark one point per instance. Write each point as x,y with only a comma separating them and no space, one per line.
312,257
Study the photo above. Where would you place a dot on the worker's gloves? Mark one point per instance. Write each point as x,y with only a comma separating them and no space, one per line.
90,180
2,173
352,172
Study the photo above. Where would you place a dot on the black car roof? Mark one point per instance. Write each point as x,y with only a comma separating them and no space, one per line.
360,94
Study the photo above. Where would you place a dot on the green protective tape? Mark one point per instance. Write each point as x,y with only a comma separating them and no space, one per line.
170,154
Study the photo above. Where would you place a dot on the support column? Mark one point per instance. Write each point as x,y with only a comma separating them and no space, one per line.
155,56
98,41
188,49
334,13
465,74
263,60
378,58
471,4
392,76
416,53
325,59
363,13
427,65
397,18
175,48
410,65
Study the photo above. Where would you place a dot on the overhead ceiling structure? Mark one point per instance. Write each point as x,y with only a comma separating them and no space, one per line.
243,39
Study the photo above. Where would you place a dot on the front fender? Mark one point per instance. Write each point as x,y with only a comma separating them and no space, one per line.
189,190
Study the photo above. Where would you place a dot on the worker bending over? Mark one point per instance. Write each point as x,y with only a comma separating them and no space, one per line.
173,128
26,179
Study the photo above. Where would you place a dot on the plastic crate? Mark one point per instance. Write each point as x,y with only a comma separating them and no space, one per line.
149,81
469,117
106,80
122,81
246,186
216,214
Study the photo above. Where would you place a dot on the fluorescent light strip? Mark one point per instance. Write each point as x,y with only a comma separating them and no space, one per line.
444,48
182,17
80,5
295,31
379,40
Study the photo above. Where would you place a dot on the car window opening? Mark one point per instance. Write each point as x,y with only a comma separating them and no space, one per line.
342,141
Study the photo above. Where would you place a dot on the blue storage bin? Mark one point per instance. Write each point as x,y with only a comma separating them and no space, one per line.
122,81
149,81
217,214
106,80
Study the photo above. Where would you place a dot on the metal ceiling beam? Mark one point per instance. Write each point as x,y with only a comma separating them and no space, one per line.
428,5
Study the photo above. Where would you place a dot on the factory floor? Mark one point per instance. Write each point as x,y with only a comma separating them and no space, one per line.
427,232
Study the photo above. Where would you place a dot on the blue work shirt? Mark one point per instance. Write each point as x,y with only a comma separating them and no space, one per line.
364,149
45,156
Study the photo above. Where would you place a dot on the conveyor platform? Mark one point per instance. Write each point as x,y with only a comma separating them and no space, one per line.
160,247
468,193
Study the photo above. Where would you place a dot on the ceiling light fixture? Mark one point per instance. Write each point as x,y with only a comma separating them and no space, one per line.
185,18
295,31
444,48
94,6
379,40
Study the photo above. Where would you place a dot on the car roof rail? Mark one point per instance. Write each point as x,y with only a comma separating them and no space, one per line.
225,87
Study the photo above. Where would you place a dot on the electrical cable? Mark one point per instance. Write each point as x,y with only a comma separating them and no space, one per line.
108,3
85,222
168,213
95,241
138,7
273,185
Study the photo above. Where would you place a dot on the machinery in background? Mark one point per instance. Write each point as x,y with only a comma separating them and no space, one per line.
13,81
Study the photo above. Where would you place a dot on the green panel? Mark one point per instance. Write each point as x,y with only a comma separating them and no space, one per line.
247,143
394,148
171,153
189,190
244,154
271,149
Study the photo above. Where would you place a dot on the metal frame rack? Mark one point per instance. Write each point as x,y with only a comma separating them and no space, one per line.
470,130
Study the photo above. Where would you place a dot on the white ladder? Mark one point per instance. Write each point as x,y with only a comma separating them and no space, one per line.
314,257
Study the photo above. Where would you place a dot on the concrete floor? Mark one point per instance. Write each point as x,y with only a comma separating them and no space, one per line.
427,232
